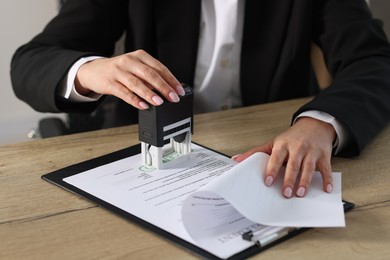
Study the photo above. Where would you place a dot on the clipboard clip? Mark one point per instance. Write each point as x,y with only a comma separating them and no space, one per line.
262,240
170,123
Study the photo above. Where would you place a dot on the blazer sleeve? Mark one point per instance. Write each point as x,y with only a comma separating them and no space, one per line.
357,55
82,28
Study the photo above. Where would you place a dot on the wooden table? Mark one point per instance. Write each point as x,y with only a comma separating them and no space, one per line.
41,221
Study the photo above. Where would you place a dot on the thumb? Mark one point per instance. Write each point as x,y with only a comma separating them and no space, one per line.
265,148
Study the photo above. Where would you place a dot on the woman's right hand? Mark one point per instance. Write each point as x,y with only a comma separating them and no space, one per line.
135,77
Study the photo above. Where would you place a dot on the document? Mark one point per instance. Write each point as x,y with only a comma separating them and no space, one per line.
209,200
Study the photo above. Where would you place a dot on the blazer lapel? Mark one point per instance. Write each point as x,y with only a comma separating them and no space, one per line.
265,26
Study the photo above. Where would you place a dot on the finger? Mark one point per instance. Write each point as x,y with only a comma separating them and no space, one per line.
265,148
276,160
131,65
140,88
325,169
293,168
307,171
151,77
122,92
162,70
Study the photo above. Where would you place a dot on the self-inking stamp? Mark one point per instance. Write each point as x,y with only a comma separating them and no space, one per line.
165,131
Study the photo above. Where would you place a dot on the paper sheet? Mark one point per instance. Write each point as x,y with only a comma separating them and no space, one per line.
157,196
241,192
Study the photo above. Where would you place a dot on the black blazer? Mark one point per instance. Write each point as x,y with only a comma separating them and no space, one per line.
275,59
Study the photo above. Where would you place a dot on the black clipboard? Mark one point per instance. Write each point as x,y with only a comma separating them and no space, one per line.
56,178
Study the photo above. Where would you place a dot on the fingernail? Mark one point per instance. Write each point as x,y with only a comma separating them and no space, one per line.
180,90
301,192
269,180
157,100
287,192
143,105
174,97
235,157
329,188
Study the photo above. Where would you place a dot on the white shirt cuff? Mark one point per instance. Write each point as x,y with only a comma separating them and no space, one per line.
341,132
68,89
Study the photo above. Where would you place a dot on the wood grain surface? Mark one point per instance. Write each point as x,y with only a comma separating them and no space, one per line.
41,221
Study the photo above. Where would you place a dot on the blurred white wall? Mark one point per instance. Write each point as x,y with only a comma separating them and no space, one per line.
381,10
20,20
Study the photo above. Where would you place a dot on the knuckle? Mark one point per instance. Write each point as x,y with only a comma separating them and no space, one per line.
278,155
294,165
133,82
150,74
302,145
133,99
309,166
305,181
161,67
139,52
123,92
279,145
128,96
273,166
121,61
